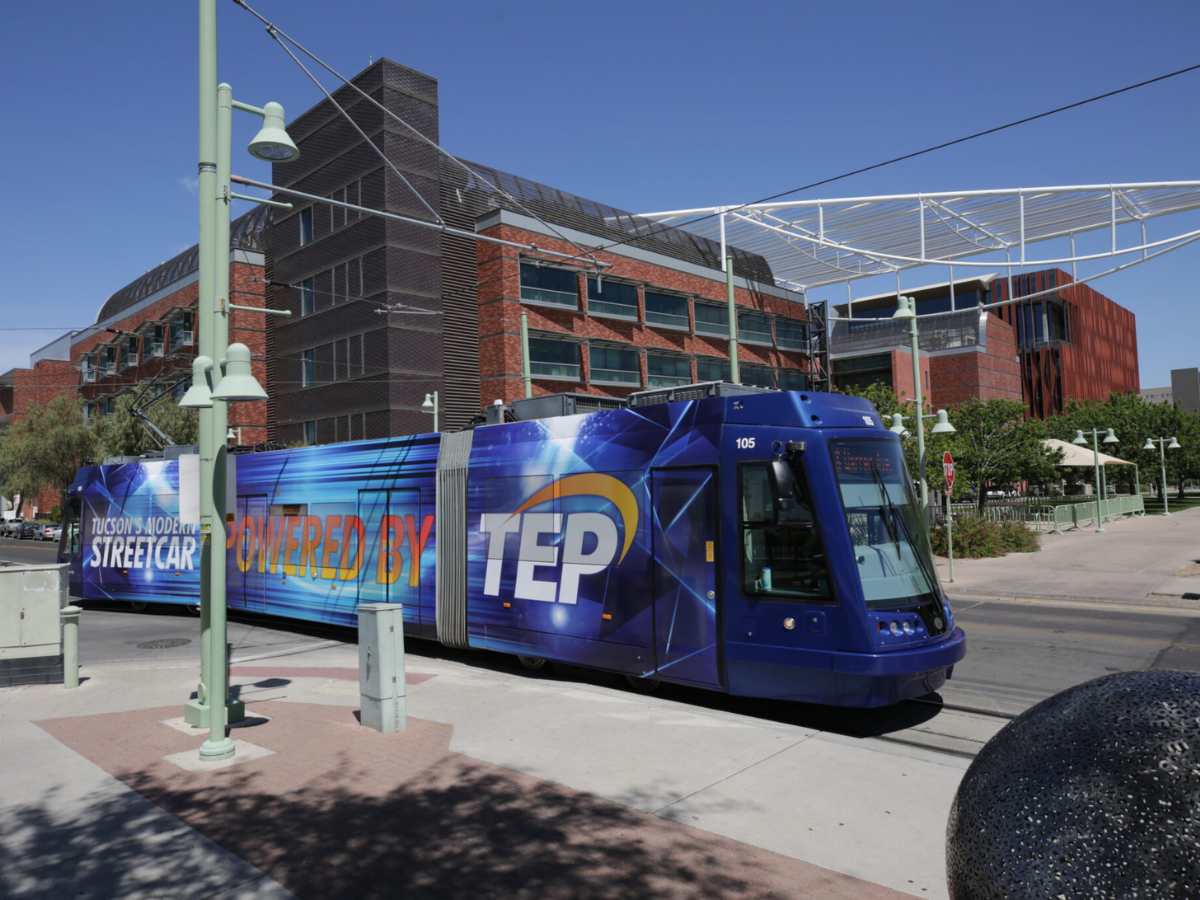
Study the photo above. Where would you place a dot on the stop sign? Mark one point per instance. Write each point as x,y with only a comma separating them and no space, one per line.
948,471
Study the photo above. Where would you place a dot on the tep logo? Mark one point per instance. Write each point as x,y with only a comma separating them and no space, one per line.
576,528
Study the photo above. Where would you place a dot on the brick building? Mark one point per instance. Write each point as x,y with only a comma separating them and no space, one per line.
1069,343
44,379
145,333
385,311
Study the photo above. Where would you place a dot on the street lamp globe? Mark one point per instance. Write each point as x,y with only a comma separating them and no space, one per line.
1110,438
1173,444
428,404
1079,438
272,142
198,396
897,424
238,383
1149,445
904,309
943,426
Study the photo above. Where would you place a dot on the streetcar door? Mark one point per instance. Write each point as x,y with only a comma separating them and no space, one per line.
684,527
385,572
253,582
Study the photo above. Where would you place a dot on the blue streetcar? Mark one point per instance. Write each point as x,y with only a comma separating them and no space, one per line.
762,544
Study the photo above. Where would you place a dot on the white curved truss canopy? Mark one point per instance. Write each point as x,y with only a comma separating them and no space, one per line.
810,243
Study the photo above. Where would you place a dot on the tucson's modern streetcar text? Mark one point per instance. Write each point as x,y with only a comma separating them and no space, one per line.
764,545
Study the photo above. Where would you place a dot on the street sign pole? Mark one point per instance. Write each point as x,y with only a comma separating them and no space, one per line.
948,471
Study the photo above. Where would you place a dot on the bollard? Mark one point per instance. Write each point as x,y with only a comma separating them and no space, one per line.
70,621
381,687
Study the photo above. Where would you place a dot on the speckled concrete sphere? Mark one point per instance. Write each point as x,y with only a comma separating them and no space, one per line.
1094,792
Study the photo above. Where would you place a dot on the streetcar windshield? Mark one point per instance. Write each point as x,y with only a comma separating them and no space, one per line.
881,513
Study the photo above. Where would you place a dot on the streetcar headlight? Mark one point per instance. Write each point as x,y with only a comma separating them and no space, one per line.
908,628
894,627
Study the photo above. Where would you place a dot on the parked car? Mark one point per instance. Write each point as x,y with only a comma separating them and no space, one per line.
10,527
51,532
29,531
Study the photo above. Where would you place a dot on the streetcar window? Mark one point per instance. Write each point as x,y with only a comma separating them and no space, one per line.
885,525
781,550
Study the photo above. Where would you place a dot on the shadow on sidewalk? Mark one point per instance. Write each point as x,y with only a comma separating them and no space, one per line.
458,828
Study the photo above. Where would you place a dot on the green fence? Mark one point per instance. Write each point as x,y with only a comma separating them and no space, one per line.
1049,513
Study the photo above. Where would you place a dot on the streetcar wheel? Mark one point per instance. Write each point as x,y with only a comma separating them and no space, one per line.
138,605
642,685
532,663
193,609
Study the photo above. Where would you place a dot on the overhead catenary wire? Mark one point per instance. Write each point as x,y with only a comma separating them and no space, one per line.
362,134
995,129
424,223
276,33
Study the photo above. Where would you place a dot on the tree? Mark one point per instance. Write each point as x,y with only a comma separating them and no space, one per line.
44,450
1134,420
121,433
995,445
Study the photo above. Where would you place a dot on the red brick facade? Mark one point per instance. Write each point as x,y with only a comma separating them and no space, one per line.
500,309
1098,356
38,385
993,374
247,287
902,377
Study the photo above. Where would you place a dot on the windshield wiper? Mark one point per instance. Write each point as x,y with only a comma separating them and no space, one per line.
890,519
930,577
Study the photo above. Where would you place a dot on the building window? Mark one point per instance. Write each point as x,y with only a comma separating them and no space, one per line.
794,380
308,297
709,368
133,349
667,311
152,342
181,330
758,376
87,370
791,334
613,365
309,432
308,368
667,370
712,319
549,358
614,299
306,226
108,360
546,284
338,212
754,328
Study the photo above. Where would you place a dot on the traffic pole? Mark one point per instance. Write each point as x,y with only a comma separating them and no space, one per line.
949,538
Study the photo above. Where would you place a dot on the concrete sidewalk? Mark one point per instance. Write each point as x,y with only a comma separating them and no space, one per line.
1154,560
504,784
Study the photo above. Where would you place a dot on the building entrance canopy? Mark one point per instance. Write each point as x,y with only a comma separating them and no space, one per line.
810,243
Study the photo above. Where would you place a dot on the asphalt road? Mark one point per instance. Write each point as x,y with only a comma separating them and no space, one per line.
28,552
1018,652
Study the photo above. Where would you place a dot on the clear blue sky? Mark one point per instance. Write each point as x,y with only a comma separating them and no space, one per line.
647,105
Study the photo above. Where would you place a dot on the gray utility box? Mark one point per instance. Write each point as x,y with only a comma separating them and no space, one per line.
381,687
31,599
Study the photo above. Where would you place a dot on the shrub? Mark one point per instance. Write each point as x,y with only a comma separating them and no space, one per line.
975,538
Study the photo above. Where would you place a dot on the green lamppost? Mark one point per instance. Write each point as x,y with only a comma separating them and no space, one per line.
221,373
1163,447
906,308
1109,438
